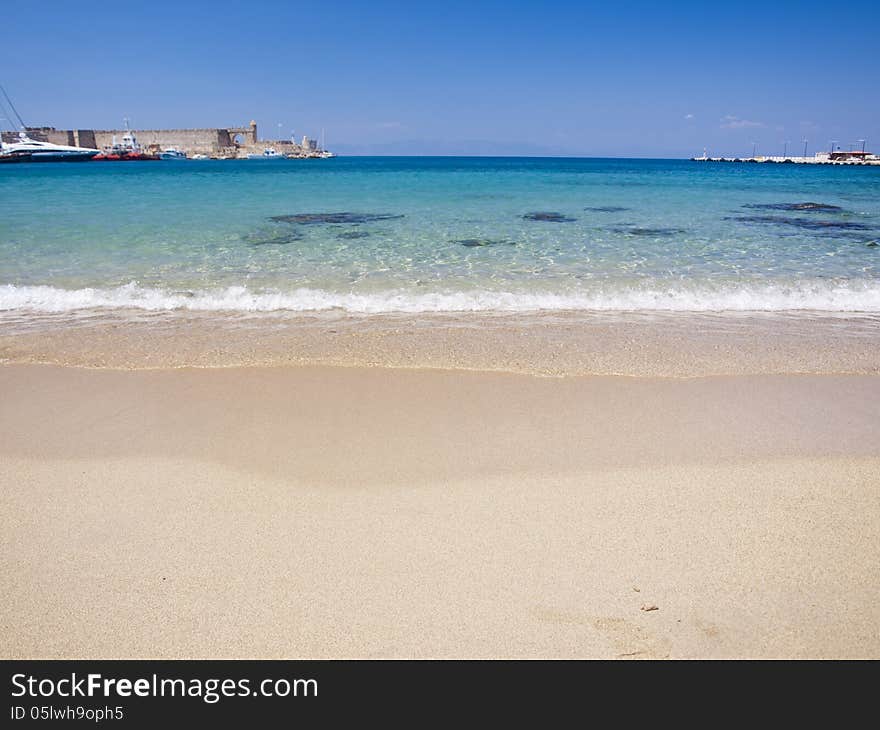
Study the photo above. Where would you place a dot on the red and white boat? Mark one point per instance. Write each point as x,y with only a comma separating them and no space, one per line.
128,150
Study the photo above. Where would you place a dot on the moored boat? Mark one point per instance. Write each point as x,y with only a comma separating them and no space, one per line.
112,155
172,153
270,153
128,150
26,149
33,150
14,156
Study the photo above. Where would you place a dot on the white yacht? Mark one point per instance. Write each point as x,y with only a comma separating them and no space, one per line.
270,153
172,153
33,150
14,156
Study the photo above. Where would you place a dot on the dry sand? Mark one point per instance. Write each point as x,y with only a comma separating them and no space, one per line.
343,512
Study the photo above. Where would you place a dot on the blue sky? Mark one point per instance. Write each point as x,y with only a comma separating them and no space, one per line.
605,79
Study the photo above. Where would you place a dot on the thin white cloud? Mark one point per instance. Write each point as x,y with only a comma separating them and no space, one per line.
688,116
732,122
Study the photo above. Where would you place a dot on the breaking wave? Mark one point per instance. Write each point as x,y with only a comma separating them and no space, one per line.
811,295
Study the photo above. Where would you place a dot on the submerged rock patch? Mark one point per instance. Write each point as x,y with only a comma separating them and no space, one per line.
278,239
819,207
353,234
648,232
307,219
808,223
548,217
480,242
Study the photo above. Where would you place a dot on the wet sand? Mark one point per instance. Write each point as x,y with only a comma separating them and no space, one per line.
352,512
655,344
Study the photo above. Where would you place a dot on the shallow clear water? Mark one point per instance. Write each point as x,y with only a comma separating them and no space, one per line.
673,235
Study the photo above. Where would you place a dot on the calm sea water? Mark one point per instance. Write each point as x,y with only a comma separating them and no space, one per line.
451,234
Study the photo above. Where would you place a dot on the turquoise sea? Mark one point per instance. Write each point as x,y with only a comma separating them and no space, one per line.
369,235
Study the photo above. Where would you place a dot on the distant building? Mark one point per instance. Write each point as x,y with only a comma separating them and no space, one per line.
841,156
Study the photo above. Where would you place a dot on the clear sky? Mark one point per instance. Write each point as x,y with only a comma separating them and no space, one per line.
605,79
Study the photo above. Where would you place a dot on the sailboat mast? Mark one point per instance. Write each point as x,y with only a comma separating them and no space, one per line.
14,110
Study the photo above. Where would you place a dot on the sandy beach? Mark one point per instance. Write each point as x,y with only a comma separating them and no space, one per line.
440,353
378,512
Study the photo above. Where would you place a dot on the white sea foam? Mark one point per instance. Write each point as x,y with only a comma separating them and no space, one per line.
811,295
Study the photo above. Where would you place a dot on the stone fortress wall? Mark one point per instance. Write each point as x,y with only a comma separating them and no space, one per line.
218,142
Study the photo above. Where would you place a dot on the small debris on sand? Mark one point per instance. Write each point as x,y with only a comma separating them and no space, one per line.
650,607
